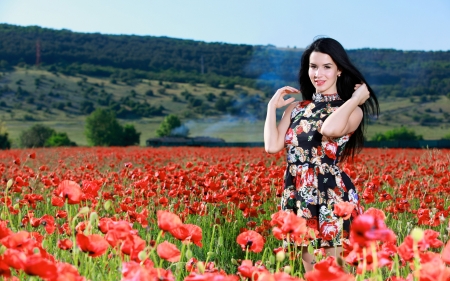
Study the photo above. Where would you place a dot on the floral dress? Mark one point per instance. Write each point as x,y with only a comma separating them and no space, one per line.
313,181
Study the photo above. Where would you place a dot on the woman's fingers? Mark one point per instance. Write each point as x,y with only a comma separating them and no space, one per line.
288,89
288,101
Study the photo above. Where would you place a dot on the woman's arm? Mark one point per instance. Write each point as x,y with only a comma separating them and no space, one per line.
273,135
348,116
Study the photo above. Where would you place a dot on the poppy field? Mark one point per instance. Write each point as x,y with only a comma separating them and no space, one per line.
186,213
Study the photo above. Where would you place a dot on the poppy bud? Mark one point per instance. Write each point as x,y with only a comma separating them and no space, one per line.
2,249
83,211
9,183
201,267
272,259
142,255
16,206
234,261
210,255
93,218
287,269
417,234
188,254
107,205
281,255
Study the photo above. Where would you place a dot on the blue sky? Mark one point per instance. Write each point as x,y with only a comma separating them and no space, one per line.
397,24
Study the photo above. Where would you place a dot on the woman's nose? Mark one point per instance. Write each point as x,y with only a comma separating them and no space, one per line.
317,73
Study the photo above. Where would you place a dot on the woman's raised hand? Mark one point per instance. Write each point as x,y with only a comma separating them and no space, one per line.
278,99
361,93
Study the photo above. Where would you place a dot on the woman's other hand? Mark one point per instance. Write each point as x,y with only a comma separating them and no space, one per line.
361,93
278,100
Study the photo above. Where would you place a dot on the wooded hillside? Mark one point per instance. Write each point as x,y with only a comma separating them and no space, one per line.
126,57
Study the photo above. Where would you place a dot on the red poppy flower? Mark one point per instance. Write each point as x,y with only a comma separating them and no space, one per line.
133,271
49,223
246,269
278,276
132,245
167,220
36,265
15,240
118,231
65,244
5,271
69,190
328,269
211,276
188,233
292,225
377,213
60,214
191,265
343,209
435,269
446,253
168,251
57,202
251,240
67,271
4,230
14,258
429,240
366,228
93,244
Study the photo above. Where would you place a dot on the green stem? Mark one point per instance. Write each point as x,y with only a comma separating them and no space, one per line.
211,243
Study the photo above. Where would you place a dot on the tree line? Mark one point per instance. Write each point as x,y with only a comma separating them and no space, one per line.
125,57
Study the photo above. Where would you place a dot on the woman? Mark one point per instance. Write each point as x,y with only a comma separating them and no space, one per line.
327,126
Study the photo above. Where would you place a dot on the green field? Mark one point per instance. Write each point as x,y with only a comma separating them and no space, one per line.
55,100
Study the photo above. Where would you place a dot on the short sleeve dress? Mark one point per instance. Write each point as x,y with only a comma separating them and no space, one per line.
313,181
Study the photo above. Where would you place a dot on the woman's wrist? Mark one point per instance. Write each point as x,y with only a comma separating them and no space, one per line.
271,106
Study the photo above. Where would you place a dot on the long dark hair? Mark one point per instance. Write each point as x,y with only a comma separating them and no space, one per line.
345,85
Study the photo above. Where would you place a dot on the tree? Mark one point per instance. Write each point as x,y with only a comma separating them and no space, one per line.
169,123
401,133
221,104
87,107
36,136
5,143
59,139
103,129
130,135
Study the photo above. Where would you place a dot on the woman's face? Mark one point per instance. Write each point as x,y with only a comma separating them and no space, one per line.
323,73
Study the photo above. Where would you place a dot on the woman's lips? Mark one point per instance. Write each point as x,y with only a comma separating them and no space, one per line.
319,82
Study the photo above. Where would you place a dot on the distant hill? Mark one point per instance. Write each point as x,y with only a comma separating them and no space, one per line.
127,57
